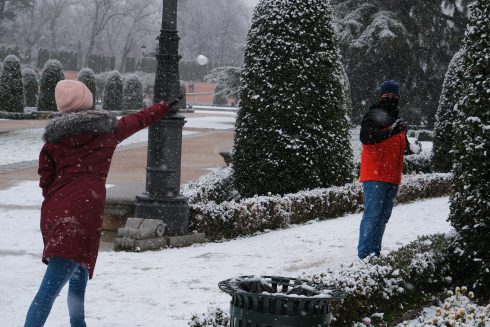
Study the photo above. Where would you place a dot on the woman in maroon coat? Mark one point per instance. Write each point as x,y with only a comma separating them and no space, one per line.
73,167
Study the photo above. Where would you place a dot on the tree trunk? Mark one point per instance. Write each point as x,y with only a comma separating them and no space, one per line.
2,10
52,29
2,14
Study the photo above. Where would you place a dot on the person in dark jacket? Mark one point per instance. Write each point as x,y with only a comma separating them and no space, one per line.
384,139
73,167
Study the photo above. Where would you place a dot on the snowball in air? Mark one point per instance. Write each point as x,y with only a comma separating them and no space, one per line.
202,60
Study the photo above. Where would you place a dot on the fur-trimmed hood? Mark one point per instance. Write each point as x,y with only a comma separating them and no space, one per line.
93,122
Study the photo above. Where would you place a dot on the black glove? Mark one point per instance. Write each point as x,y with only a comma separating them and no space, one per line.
398,127
175,101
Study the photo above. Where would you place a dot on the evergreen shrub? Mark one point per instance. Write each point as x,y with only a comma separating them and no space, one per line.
113,92
291,131
51,75
446,115
11,88
470,202
87,77
31,86
133,92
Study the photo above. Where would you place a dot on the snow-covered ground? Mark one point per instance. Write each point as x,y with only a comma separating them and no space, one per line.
214,108
164,288
30,140
212,122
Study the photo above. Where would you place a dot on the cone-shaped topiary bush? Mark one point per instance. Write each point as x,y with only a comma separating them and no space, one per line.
87,77
133,92
470,203
51,75
442,159
113,92
291,129
31,86
11,89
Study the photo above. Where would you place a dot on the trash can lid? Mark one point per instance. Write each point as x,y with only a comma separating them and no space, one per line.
276,286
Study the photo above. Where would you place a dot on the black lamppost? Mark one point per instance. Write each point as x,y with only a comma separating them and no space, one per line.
162,199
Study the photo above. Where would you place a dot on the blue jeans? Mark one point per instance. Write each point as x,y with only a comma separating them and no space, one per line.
379,199
58,273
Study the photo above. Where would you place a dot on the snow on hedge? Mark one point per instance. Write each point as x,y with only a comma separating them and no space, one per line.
217,210
405,276
456,310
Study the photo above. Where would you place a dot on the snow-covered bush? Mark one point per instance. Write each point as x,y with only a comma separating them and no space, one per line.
215,317
227,80
133,92
216,186
182,93
31,86
291,129
113,92
385,287
446,116
87,77
424,135
11,89
423,186
148,82
470,202
458,309
51,75
417,163
100,80
212,211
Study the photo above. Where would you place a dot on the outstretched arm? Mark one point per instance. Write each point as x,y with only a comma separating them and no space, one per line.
132,123
46,171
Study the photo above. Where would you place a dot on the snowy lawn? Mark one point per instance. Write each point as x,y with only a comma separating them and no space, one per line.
164,288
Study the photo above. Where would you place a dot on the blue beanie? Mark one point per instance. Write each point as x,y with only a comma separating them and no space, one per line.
389,87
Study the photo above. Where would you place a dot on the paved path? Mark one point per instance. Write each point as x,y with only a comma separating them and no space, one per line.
200,154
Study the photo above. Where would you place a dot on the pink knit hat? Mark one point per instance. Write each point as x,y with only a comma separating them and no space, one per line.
72,95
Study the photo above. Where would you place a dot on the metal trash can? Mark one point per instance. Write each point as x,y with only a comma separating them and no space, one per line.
271,301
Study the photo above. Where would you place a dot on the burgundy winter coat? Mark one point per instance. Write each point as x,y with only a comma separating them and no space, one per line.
73,165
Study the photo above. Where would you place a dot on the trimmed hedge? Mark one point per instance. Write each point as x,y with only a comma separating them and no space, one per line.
212,211
405,279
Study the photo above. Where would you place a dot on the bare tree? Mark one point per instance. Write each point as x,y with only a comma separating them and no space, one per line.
10,8
55,8
215,28
137,14
101,13
31,26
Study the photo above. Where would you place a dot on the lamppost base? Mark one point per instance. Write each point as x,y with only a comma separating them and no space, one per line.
141,234
174,212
